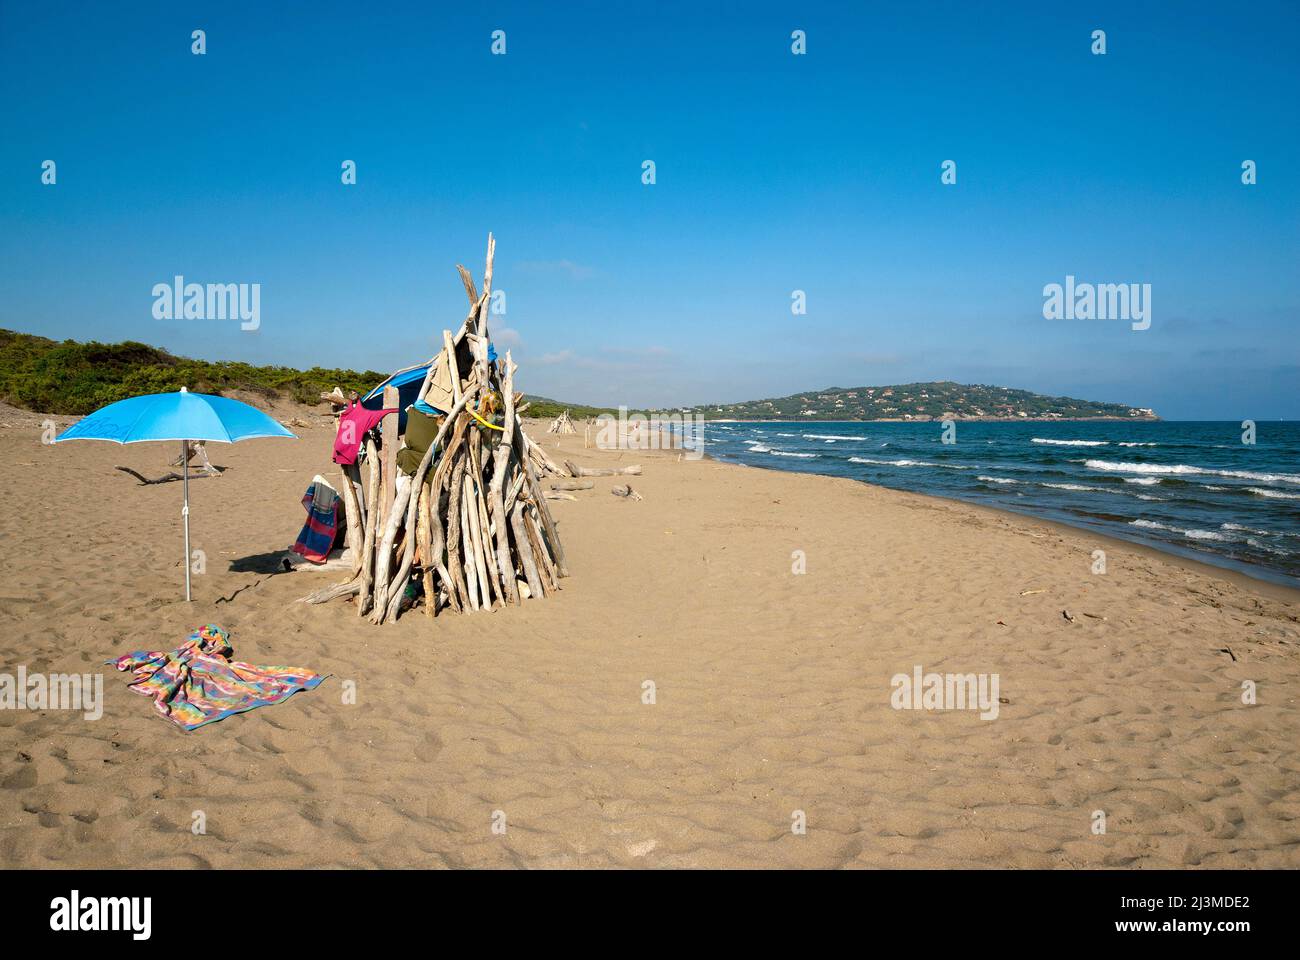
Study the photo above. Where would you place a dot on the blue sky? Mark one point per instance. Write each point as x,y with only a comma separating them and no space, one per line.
775,173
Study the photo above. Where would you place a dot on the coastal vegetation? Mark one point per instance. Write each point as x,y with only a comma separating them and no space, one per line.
75,378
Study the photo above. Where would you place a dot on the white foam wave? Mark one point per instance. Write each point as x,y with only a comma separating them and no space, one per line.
1183,468
1150,525
1071,443
1273,494
1238,528
1192,534
893,463
1267,547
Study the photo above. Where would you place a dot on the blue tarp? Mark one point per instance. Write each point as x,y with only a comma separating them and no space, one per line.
408,389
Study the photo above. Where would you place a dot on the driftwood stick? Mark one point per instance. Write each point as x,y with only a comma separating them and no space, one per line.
404,508
550,576
467,544
454,529
353,519
468,281
577,471
516,486
479,521
392,398
495,494
485,538
345,589
525,549
384,552
449,349
353,472
439,545
424,541
573,485
467,327
548,522
443,478
166,478
481,328
476,541
544,462
372,522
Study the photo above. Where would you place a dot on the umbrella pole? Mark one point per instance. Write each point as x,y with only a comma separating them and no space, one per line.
185,512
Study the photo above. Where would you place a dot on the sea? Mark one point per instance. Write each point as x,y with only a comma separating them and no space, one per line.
1191,488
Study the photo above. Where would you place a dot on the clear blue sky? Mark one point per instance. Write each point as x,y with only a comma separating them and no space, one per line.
775,172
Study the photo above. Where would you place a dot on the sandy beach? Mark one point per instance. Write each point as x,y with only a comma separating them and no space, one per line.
772,690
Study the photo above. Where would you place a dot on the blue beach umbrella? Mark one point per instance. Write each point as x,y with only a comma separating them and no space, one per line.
182,416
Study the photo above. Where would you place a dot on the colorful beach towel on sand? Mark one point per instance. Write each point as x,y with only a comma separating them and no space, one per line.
317,536
198,683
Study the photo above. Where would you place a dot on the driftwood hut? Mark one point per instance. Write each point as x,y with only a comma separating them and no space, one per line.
562,424
451,508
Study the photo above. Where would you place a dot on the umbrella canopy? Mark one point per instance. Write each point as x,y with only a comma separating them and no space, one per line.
182,416
175,416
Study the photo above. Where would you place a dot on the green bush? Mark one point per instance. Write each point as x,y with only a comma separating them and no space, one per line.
77,378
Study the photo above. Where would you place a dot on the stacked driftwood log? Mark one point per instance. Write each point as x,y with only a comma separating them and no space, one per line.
471,526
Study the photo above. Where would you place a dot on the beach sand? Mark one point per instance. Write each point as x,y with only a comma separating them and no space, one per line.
772,690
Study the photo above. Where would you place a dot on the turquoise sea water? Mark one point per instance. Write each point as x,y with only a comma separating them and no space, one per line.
1191,488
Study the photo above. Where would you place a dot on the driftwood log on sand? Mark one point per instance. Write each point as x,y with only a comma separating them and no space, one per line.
577,471
469,527
625,490
573,485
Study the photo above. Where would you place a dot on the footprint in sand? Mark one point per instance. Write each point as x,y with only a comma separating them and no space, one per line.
642,848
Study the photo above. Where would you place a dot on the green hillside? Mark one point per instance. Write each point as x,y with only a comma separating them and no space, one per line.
938,400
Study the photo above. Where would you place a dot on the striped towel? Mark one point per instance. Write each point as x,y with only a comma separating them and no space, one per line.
198,683
316,539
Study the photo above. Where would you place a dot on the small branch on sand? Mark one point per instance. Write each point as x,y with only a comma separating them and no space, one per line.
169,477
